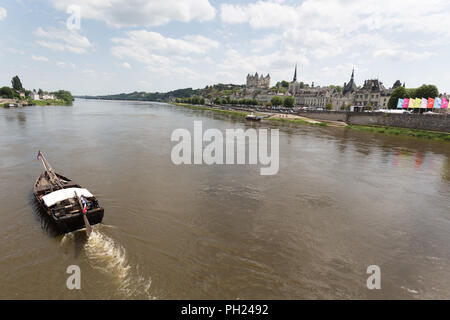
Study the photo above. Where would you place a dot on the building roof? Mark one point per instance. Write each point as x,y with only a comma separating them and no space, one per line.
351,86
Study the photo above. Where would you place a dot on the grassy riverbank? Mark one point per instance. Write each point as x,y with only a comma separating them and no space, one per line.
230,112
52,103
442,136
242,114
298,121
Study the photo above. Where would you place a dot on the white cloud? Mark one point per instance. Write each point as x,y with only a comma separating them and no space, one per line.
347,16
148,41
61,40
39,58
402,54
279,64
159,53
62,64
3,13
120,13
126,65
327,28
261,14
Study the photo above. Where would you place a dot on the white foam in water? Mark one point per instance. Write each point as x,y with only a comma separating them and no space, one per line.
67,237
109,257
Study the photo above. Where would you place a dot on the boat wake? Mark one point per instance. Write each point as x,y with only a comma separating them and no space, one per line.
110,258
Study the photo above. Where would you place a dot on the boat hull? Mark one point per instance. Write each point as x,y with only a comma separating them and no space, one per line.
68,221
76,222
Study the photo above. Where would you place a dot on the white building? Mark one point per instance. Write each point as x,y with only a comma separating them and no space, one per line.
34,95
48,97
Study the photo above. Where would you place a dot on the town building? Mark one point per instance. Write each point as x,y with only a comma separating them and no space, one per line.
372,95
47,96
34,95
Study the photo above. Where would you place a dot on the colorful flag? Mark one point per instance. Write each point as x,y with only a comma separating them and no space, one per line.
444,104
430,103
437,103
417,103
423,104
400,104
84,202
405,103
411,104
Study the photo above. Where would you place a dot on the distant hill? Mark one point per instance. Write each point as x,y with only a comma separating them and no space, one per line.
209,92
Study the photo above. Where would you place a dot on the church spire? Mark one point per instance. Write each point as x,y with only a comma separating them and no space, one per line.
353,73
295,74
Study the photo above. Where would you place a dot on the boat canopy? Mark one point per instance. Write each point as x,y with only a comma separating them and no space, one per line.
64,194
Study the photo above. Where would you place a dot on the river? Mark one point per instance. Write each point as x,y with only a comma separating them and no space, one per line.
342,200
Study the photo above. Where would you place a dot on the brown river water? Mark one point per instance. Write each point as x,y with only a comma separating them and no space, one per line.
342,200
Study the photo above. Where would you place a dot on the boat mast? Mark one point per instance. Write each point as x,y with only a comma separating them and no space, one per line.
52,176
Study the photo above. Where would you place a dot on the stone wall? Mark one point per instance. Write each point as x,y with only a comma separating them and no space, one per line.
412,121
325,115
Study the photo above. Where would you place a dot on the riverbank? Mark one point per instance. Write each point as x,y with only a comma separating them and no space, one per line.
51,103
266,116
18,103
295,119
442,136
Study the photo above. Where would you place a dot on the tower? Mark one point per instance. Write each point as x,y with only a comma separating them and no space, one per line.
295,74
351,86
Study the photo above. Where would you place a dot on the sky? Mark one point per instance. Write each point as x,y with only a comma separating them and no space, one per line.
98,47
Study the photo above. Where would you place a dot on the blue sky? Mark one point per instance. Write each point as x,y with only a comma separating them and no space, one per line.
161,45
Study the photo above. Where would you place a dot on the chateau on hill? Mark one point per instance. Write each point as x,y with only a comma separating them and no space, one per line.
373,94
258,82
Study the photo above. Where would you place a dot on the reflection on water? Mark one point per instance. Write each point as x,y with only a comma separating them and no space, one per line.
342,200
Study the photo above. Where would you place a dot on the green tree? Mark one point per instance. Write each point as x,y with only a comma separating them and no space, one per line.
64,95
289,102
338,88
17,84
398,93
195,100
328,106
40,92
6,92
277,101
285,84
426,91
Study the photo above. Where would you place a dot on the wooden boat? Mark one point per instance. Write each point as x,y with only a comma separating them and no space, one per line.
252,117
69,205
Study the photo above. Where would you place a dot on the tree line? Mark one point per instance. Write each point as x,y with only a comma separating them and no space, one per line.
16,88
425,91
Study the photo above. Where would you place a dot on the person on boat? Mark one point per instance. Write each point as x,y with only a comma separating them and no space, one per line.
84,203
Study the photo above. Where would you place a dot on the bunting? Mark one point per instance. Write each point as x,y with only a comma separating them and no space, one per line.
437,103
423,104
417,102
430,103
444,104
405,103
400,104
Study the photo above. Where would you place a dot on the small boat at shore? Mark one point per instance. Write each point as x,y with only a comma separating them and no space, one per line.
69,205
252,117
